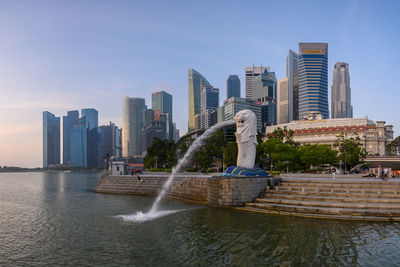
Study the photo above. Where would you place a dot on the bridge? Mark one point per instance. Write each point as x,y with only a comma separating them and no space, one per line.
387,161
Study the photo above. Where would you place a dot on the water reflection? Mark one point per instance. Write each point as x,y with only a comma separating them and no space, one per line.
55,218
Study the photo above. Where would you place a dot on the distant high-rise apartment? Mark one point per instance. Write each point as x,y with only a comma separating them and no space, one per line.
282,100
162,101
79,143
195,83
341,92
132,123
249,74
313,79
209,103
232,86
68,121
292,72
51,139
264,92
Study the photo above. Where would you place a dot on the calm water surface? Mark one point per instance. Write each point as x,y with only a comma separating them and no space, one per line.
56,219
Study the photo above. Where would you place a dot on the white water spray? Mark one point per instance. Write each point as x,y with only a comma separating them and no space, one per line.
183,161
153,212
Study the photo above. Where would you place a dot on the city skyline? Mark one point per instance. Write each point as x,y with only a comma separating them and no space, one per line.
81,60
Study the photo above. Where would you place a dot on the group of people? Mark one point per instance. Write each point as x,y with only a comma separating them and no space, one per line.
380,173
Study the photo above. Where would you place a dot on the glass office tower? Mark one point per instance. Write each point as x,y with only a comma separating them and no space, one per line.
51,139
79,148
313,79
162,101
232,86
195,83
68,121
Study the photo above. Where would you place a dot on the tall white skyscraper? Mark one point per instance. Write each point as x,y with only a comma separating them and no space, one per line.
341,92
283,107
292,63
249,74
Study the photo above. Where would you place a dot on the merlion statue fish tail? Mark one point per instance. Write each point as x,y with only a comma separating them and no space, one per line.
246,139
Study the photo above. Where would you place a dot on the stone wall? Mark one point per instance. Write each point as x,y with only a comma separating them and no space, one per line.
235,191
212,190
193,188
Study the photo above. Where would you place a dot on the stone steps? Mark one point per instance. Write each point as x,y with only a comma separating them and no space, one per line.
327,210
350,199
321,216
330,204
360,190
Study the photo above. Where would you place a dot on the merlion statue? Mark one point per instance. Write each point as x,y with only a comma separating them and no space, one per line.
246,138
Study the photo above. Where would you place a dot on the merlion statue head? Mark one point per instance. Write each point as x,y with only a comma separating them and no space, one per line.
246,126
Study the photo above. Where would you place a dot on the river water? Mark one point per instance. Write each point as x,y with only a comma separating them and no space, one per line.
56,219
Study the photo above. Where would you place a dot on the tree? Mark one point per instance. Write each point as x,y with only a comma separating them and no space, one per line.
279,151
393,148
284,135
161,154
316,155
211,152
350,150
230,153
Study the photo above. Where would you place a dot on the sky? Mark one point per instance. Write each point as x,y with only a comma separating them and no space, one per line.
64,55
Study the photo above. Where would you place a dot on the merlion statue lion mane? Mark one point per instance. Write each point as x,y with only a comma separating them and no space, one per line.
246,138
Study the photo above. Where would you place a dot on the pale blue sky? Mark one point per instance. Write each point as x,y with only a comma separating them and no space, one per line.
63,55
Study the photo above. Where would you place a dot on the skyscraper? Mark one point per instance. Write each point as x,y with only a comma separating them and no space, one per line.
292,73
209,103
68,121
249,74
92,117
93,137
162,101
282,100
341,92
110,140
51,139
132,123
235,104
79,143
264,92
313,79
232,86
195,82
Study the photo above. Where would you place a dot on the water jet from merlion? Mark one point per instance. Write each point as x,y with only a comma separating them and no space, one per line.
246,138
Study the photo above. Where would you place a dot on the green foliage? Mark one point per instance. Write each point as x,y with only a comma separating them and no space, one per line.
315,155
394,147
160,170
281,152
230,153
161,154
350,150
211,152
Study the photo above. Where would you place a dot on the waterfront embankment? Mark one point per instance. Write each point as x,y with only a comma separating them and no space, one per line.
214,190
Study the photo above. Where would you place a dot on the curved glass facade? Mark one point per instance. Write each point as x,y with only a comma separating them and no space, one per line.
195,82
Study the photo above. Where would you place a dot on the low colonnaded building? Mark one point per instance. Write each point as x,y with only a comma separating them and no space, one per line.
314,130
